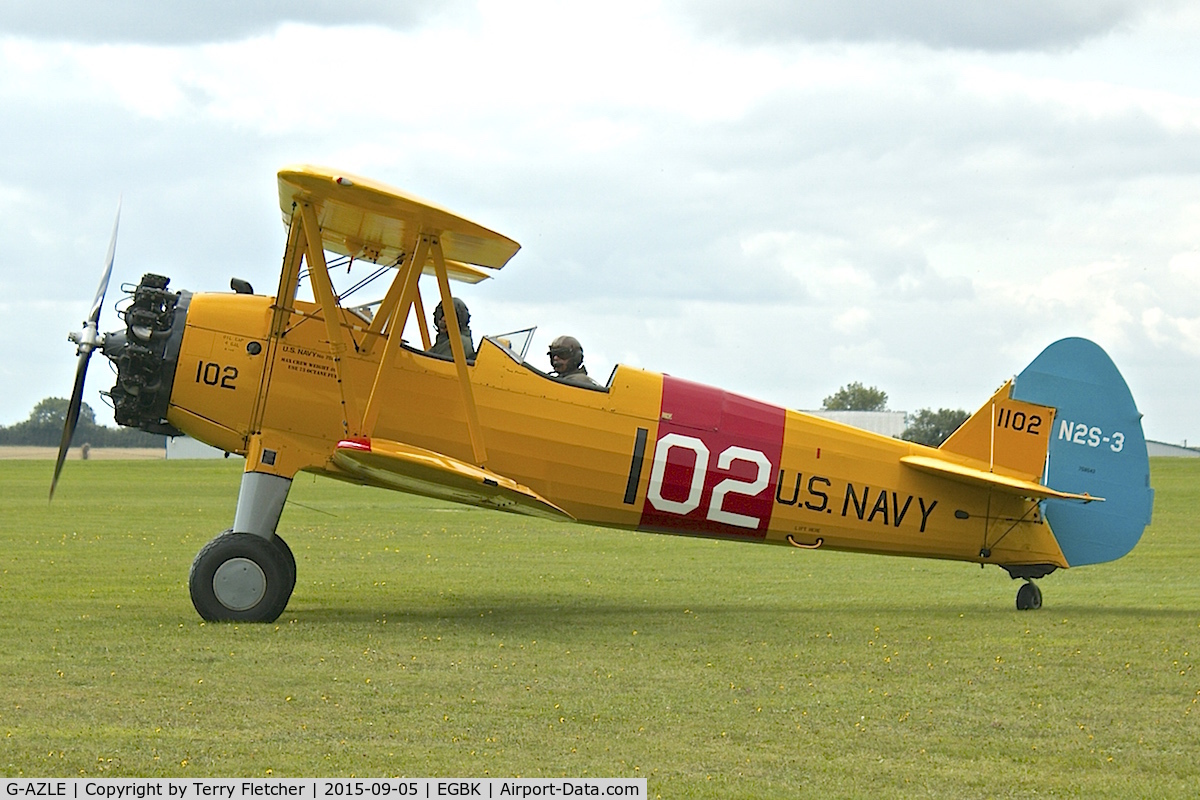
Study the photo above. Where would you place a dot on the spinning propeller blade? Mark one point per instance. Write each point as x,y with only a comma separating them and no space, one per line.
94,316
87,340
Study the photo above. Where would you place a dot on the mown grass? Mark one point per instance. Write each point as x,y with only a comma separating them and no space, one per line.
433,640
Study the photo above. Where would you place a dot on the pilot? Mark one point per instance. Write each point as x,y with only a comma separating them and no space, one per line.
441,344
566,362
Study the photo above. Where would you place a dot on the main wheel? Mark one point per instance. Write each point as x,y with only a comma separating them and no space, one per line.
1029,597
241,577
288,556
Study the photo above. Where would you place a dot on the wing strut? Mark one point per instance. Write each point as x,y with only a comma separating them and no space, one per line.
426,342
281,314
400,294
393,313
289,279
318,272
403,286
460,355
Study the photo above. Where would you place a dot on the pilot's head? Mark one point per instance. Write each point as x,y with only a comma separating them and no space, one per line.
460,311
566,354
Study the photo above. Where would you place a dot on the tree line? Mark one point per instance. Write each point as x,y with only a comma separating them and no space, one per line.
926,426
45,426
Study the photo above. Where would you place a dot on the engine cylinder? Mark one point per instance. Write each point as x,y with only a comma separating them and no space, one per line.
146,354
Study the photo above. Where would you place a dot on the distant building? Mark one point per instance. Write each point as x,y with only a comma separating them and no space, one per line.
184,447
1171,450
888,423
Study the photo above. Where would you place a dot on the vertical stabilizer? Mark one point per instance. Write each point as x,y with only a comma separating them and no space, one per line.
1008,435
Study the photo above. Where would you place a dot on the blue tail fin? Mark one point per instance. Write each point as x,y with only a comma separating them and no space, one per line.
1096,447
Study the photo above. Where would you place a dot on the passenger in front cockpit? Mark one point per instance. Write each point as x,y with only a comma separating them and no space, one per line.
566,361
441,344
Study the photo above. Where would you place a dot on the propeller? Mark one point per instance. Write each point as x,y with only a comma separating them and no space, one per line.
86,341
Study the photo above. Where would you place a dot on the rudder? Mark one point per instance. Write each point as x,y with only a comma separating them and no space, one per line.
1096,447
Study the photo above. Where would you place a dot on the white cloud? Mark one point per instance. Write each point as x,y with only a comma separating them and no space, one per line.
1186,267
1171,331
779,215
852,321
1019,25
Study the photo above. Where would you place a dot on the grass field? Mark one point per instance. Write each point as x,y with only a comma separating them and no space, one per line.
432,640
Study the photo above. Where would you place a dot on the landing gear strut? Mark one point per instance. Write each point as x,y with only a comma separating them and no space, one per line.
1029,597
247,574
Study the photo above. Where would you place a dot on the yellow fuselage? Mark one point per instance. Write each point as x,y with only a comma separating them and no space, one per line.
651,452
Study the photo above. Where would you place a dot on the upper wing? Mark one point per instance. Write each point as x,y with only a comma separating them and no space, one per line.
413,469
373,221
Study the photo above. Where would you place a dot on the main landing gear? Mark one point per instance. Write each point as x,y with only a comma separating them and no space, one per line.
242,577
247,574
1029,597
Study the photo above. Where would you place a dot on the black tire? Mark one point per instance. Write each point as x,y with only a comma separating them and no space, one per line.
1029,597
279,542
289,557
241,577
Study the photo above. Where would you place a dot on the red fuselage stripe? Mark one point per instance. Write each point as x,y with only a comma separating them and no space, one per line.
715,464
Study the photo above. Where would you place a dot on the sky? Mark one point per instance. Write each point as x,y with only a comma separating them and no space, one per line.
771,197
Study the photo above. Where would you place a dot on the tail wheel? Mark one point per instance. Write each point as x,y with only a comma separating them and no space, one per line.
242,577
1029,597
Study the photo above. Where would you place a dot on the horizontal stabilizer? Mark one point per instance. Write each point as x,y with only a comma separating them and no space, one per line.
1002,483
393,465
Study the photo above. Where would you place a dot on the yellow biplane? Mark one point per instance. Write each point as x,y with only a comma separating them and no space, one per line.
1050,473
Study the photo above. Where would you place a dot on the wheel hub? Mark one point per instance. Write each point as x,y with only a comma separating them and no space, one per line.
239,584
